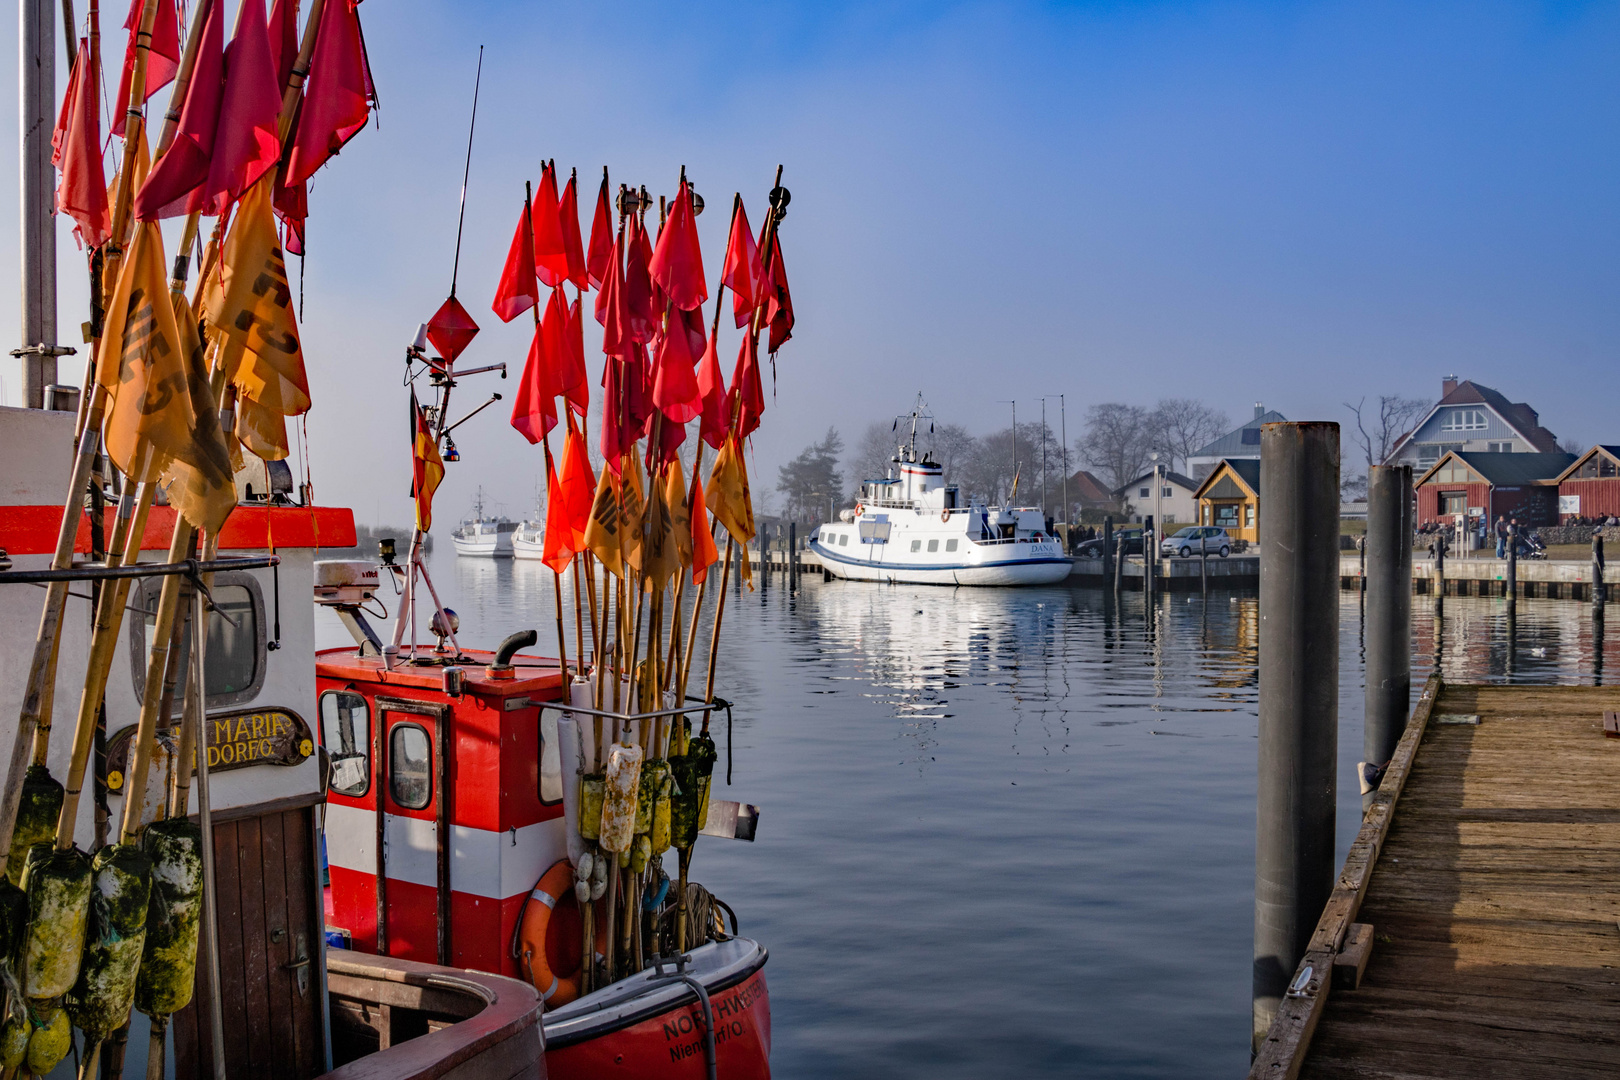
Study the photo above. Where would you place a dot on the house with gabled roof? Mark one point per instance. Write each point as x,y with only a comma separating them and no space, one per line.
1492,485
1590,487
1470,418
1238,444
1230,497
1176,503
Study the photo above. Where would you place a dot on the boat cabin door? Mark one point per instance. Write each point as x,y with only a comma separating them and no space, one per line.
413,830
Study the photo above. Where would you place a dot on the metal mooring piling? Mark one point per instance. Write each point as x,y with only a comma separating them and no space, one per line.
1388,582
1299,700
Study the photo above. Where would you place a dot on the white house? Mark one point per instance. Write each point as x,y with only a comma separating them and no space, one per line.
1176,503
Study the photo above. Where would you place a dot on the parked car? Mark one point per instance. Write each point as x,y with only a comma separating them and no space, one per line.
1127,540
1196,539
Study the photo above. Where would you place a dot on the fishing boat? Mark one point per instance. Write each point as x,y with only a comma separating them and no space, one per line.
911,528
484,536
529,538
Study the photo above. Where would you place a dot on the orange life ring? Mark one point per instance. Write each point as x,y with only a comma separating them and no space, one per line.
945,515
860,508
548,936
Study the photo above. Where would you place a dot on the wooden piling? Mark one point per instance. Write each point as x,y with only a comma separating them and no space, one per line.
1299,701
1387,556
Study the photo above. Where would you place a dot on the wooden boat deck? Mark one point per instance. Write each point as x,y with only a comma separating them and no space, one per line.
1495,945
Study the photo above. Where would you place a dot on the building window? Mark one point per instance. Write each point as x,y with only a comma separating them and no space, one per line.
1145,493
410,767
950,545
1248,515
1206,513
1501,448
1226,515
1454,502
933,545
1167,492
346,734
1464,420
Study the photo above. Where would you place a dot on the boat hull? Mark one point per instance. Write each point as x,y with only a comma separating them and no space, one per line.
527,549
661,1034
485,547
992,572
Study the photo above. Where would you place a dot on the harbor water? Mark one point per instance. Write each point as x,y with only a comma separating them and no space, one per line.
1009,832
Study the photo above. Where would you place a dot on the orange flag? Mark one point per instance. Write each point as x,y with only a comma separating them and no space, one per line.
602,530
733,507
578,485
427,467
680,513
704,553
560,539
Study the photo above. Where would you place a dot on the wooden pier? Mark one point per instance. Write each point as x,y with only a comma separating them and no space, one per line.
1564,579
1473,928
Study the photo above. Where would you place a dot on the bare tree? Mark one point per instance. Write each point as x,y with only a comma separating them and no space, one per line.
1182,425
871,456
1394,418
1117,441
1569,444
952,447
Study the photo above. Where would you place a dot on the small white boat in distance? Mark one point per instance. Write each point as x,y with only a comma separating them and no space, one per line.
529,538
911,530
484,537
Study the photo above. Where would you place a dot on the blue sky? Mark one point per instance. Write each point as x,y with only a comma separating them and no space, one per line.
1296,203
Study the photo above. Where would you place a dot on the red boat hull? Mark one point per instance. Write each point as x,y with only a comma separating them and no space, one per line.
670,1044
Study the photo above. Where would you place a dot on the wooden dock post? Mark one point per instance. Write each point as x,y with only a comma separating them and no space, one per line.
1299,701
1599,590
1512,589
1108,545
1388,561
793,555
1150,555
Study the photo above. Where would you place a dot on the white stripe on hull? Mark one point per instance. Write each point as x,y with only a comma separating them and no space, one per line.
1021,573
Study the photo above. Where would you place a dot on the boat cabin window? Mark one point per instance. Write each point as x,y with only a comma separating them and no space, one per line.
933,545
843,539
916,545
346,734
874,532
236,641
410,767
551,784
950,545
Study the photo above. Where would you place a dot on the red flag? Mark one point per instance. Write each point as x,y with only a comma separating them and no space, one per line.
779,309
561,541
744,273
704,553
517,291
638,392
612,443
183,169
292,206
578,484
76,151
534,411
675,385
638,285
613,312
568,218
747,395
716,403
554,341
601,251
550,253
677,264
338,95
671,434
248,143
451,329
162,60
284,39
565,343
427,467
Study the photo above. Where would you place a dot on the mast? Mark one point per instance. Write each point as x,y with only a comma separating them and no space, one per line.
36,65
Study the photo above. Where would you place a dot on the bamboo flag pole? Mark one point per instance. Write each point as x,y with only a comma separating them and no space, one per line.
545,443
50,621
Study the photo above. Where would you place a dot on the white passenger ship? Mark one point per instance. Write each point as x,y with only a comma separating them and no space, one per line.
484,537
911,529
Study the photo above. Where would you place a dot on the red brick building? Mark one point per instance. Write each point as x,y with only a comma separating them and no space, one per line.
1590,487
1523,486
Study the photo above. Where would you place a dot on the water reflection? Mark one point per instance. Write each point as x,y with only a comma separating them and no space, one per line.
1029,806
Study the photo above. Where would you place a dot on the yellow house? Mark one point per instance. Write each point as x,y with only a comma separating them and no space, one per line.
1230,498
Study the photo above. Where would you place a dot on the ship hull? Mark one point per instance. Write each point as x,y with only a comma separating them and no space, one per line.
624,1031
528,549
1044,570
485,547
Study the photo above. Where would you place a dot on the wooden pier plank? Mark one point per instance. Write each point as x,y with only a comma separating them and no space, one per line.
1496,903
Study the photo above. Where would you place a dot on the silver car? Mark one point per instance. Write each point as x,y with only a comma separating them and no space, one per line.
1195,540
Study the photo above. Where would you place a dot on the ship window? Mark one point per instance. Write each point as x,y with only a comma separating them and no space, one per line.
933,545
843,539
950,545
236,641
346,734
410,767
916,545
551,782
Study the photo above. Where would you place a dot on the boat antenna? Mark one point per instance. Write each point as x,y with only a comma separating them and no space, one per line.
466,173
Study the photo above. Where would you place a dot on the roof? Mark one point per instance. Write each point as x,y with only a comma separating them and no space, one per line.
1610,451
1521,417
1247,471
1232,445
1507,469
1089,488
1174,477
